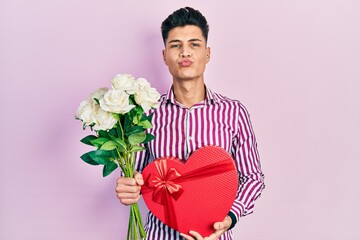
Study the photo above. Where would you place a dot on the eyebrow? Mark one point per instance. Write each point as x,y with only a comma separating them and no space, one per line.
190,40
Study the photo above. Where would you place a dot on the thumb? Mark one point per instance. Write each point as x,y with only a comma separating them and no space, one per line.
138,178
223,225
218,225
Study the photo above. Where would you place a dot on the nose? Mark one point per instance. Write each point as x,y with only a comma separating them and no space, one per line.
185,53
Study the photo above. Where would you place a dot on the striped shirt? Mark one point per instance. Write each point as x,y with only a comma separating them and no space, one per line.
216,120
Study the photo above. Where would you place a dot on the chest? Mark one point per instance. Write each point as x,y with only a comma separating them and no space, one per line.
180,131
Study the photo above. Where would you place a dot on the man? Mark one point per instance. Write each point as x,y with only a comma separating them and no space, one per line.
191,116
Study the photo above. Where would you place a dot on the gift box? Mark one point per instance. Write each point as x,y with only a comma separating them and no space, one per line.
193,194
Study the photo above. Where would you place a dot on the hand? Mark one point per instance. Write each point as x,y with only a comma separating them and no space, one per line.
128,189
220,228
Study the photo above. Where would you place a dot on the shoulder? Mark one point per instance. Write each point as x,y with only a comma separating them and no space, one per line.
233,107
235,103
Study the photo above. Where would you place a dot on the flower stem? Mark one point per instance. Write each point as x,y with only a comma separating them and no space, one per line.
135,229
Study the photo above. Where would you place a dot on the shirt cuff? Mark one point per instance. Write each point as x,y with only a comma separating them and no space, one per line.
238,210
233,220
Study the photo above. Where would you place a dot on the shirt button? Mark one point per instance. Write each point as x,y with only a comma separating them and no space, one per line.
190,138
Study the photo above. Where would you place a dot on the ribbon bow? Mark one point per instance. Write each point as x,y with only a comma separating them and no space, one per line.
163,184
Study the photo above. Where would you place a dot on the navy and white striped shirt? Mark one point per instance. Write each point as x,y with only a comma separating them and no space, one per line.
216,120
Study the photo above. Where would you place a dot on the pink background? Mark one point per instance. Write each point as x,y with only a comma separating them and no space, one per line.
294,64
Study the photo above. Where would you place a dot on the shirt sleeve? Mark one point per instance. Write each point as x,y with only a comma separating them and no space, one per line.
246,156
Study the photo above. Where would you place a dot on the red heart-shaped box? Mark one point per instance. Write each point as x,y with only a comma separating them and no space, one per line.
193,194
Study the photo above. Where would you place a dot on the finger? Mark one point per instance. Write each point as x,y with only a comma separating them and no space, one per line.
126,181
224,224
187,237
138,178
129,195
127,188
123,187
129,201
218,226
196,235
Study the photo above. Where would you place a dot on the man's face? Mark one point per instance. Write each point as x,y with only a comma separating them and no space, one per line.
186,54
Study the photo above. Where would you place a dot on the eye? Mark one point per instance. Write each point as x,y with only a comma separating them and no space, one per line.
195,44
175,46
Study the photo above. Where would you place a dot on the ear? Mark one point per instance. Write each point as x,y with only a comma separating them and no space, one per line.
208,53
164,56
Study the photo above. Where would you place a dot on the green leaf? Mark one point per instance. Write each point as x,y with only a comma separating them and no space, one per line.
103,134
109,168
150,117
113,132
135,139
133,130
137,149
113,154
87,140
127,120
121,144
148,138
146,124
139,110
99,142
143,117
135,120
86,158
101,156
109,145
116,131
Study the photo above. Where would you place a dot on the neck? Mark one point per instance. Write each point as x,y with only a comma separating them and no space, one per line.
189,93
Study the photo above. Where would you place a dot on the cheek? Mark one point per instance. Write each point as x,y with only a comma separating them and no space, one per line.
167,60
171,63
204,60
170,57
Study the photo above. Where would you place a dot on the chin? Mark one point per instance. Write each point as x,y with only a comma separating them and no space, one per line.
187,78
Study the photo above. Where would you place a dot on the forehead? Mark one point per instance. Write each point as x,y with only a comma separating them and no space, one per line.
185,33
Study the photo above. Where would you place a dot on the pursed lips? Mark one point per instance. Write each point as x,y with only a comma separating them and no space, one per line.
185,63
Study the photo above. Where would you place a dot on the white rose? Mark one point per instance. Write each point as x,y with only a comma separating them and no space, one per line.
142,83
116,101
124,82
103,120
85,112
98,94
147,98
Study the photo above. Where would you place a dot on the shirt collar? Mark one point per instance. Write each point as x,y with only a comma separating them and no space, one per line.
169,97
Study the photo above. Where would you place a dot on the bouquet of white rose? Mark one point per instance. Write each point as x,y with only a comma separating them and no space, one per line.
118,118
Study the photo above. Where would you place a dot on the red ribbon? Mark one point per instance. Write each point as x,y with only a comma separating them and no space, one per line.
166,185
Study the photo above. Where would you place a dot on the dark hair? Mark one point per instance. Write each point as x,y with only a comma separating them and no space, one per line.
182,17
